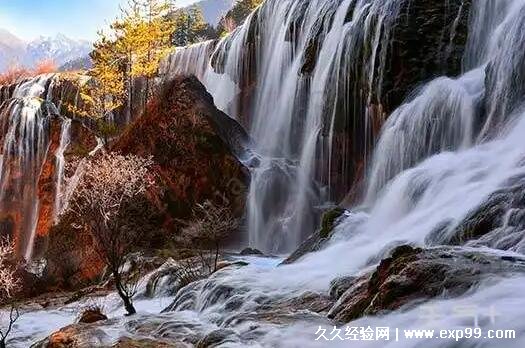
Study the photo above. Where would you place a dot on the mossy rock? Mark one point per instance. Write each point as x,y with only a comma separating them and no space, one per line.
328,220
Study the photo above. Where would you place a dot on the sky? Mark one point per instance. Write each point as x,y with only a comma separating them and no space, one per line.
78,19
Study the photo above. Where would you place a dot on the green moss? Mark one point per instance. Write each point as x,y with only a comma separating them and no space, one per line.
328,220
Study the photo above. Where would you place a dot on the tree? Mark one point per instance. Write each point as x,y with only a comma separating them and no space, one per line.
132,49
8,286
143,37
108,188
212,224
237,15
104,90
190,26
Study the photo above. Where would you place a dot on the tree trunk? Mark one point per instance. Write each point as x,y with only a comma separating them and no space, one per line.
128,304
2,343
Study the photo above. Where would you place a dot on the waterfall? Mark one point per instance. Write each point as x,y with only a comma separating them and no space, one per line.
454,146
65,139
265,74
26,118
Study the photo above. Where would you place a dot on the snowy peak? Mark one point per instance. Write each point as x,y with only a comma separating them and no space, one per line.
60,49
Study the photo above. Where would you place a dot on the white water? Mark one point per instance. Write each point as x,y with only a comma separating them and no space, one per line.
65,140
26,119
290,110
440,156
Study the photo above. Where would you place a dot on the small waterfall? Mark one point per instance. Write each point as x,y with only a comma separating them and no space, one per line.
26,120
65,139
25,146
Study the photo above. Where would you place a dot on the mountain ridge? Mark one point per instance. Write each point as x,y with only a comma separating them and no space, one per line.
59,48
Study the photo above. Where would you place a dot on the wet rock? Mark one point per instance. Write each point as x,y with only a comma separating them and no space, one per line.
251,251
414,275
498,222
319,238
217,338
339,286
146,343
92,315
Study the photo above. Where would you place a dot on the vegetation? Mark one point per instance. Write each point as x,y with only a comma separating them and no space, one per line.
190,26
132,49
328,221
237,15
16,72
212,224
108,188
9,284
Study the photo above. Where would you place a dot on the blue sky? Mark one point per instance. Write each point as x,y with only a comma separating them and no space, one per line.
78,19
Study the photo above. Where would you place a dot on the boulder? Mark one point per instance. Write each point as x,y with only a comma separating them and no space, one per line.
413,275
320,237
251,251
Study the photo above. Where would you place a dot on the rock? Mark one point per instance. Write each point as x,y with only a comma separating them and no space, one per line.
498,222
217,338
76,336
340,285
251,251
92,315
195,148
146,343
414,275
319,238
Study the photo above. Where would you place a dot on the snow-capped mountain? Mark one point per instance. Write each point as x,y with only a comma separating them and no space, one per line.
60,49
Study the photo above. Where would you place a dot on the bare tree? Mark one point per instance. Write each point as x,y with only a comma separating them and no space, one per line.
104,202
211,226
9,283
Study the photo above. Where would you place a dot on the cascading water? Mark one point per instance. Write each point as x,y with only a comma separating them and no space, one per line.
295,104
441,156
65,139
26,124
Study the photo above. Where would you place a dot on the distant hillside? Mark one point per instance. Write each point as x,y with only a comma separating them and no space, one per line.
12,49
213,10
60,49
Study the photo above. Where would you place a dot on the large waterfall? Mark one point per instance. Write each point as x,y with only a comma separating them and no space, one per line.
309,80
449,151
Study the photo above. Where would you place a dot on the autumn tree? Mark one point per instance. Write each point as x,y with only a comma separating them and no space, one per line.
143,37
105,202
104,90
131,50
8,286
212,224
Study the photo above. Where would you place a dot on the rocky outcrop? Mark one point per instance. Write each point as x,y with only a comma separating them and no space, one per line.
192,145
189,141
414,275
